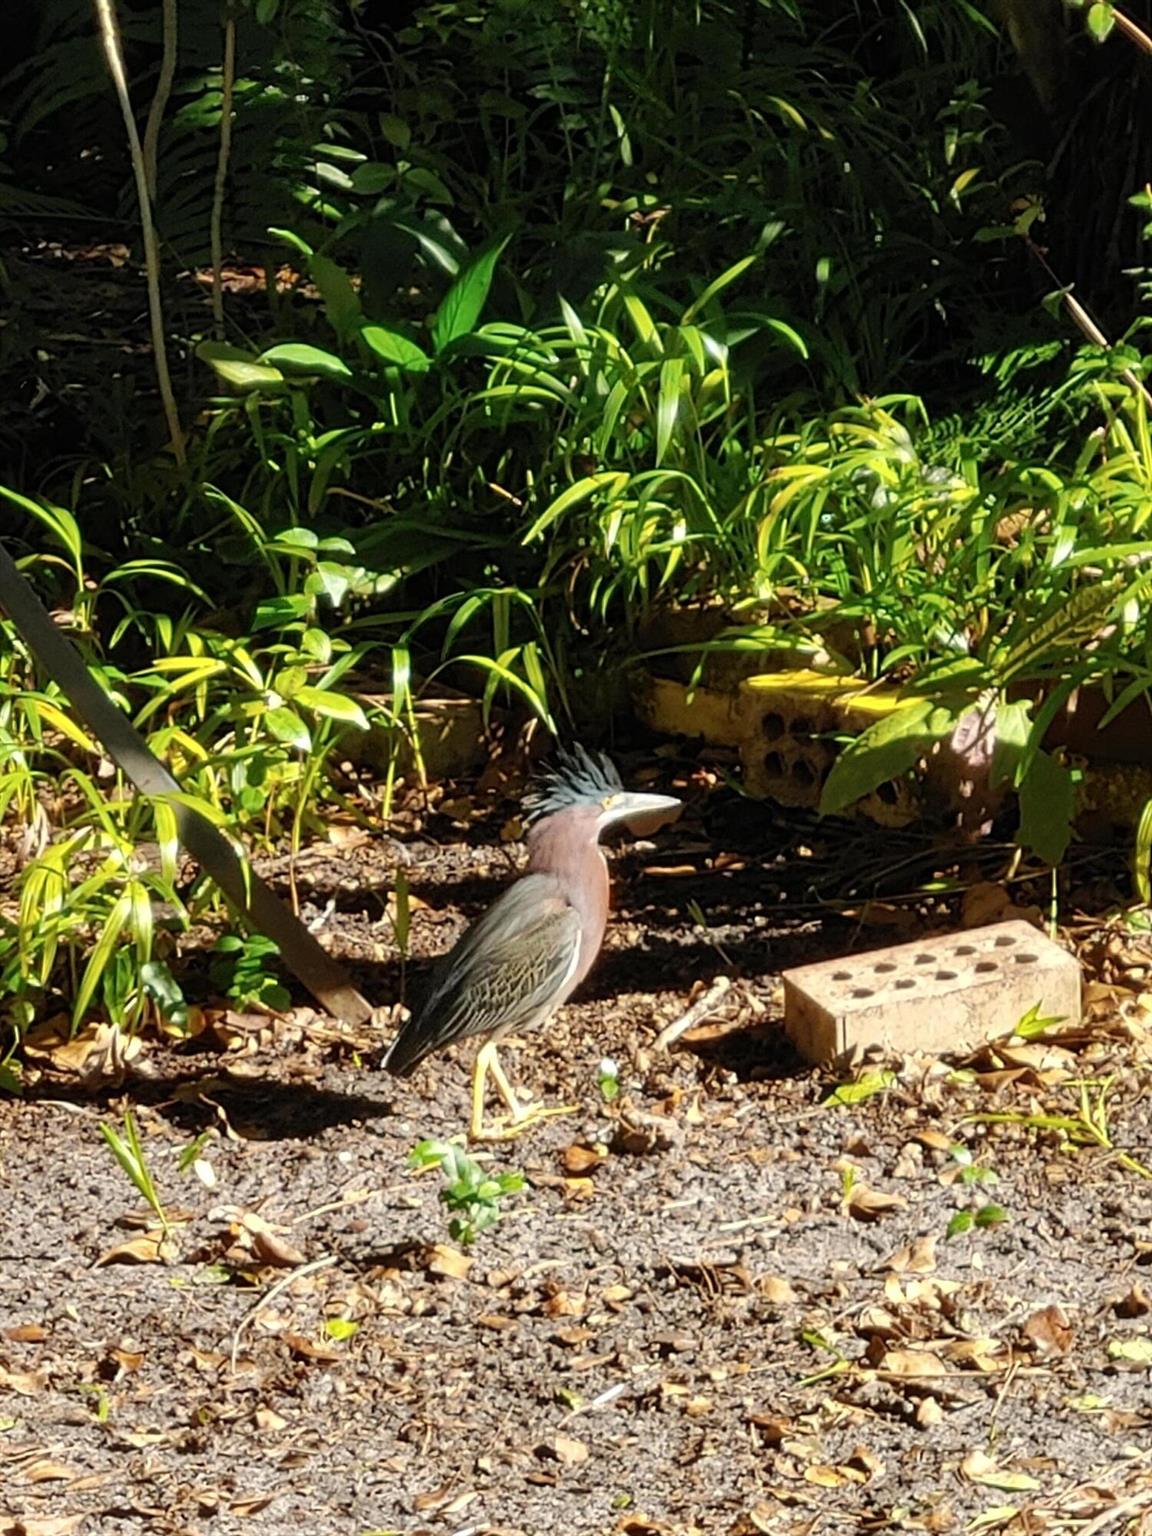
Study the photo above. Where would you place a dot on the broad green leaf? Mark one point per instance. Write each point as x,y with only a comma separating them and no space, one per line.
239,369
335,706
372,179
299,357
1101,20
289,681
886,750
1047,805
286,725
341,301
866,1087
464,302
392,347
1013,733
275,611
395,130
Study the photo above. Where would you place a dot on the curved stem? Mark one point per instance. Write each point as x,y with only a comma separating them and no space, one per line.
227,88
110,37
170,29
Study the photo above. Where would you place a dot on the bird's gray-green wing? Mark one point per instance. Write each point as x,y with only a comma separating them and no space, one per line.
503,974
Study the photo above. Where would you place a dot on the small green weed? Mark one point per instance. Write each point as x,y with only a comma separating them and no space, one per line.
983,1217
1087,1126
608,1079
128,1150
472,1194
974,1175
242,970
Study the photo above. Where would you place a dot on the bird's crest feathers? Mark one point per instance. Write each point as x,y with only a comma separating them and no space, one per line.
575,777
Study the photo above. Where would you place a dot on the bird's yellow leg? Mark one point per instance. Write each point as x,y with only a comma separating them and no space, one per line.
520,1116
485,1060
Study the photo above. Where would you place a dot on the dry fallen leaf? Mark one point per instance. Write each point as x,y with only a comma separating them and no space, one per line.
99,1053
979,1468
824,1477
153,1247
566,1449
918,1258
776,1289
578,1159
48,1471
908,1364
1049,1331
27,1333
867,1204
252,1503
307,1350
272,1249
23,1383
448,1263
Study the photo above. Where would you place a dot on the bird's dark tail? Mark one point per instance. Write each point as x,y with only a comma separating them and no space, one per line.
405,1053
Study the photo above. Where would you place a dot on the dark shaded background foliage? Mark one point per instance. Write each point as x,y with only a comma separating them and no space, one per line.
654,140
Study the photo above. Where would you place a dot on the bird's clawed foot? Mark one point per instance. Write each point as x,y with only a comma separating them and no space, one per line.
521,1117
513,1126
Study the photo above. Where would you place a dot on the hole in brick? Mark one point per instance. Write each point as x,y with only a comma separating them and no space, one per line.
774,764
925,960
945,975
801,726
884,968
1005,941
905,982
888,793
965,949
841,975
803,773
984,966
863,992
1025,959
773,726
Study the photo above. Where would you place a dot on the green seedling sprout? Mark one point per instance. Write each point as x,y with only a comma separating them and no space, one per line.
608,1079
472,1194
128,1150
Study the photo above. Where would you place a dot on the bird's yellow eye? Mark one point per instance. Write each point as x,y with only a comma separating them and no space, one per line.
609,801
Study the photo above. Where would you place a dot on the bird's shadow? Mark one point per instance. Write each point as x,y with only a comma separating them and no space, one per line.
253,1108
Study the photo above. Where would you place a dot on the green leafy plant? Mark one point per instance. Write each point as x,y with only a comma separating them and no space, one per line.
244,968
608,1079
128,1150
474,1196
980,1218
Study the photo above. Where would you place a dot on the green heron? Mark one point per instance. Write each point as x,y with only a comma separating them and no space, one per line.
518,963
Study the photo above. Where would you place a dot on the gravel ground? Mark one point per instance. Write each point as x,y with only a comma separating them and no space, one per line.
723,1302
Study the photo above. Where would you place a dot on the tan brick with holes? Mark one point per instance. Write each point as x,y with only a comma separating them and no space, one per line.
944,994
